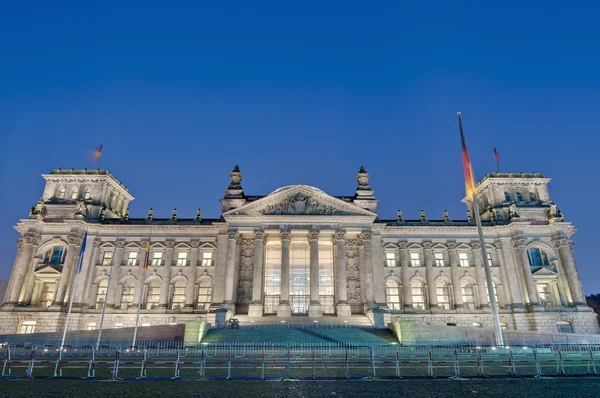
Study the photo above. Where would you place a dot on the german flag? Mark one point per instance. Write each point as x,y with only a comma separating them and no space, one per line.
98,152
147,257
469,181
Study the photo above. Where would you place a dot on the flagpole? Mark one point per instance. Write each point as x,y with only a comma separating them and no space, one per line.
497,156
137,318
112,263
72,294
486,266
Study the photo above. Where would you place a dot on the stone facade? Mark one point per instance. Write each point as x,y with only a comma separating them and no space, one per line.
297,251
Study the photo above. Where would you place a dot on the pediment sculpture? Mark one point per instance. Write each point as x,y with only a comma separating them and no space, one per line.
301,204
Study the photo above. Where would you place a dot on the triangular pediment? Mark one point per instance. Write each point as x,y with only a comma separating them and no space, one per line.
544,272
46,270
299,200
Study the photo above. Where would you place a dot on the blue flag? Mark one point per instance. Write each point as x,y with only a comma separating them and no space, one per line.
80,264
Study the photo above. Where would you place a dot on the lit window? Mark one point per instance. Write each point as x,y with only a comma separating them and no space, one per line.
181,259
443,295
178,296
27,327
56,255
564,327
101,293
532,196
326,280
207,259
272,276
487,294
145,323
417,290
537,257
468,295
157,258
463,259
118,325
127,292
439,259
87,194
506,197
48,292
390,259
61,193
91,326
519,197
503,325
204,294
490,262
545,295
153,295
132,258
74,194
476,324
415,259
392,292
107,258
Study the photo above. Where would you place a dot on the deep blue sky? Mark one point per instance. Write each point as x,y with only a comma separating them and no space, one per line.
301,94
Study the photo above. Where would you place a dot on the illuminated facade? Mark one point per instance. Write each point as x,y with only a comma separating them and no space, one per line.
295,252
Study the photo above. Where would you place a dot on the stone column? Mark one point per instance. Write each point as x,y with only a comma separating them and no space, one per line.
232,237
87,273
561,284
368,264
26,248
508,299
314,308
428,258
190,288
479,275
342,307
113,290
566,255
165,287
509,262
285,310
70,259
404,274
255,309
454,274
531,287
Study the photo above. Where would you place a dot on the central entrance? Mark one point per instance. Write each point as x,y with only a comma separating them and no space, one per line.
299,276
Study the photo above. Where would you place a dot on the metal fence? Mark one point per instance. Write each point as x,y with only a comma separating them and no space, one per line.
293,361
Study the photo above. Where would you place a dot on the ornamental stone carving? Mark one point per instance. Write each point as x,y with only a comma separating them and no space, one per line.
313,235
403,245
352,248
366,235
353,271
259,234
195,243
246,270
119,244
475,245
285,234
498,244
451,245
300,204
232,234
518,241
33,238
19,243
558,242
339,235
81,209
74,240
170,243
427,245
247,248
97,242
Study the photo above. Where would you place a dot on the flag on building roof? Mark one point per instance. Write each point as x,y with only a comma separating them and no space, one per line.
469,181
98,152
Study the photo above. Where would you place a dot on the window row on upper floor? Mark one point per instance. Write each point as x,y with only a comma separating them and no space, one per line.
520,197
73,194
181,259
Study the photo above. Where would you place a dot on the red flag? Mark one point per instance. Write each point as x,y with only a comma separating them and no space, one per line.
469,181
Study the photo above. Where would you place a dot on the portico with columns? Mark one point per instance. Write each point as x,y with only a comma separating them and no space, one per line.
295,253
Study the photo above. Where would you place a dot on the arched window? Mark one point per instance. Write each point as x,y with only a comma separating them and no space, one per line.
442,289
532,196
467,290
61,193
153,294
74,194
178,294
537,257
101,292
506,197
519,197
417,289
56,255
87,193
204,294
392,292
127,290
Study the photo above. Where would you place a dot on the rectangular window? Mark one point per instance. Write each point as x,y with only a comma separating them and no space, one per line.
272,276
564,327
118,325
181,259
91,326
153,297
390,259
204,294
490,261
47,296
157,259
326,281
439,259
132,258
418,297
207,259
299,276
27,327
463,258
107,258
468,296
545,295
178,300
415,259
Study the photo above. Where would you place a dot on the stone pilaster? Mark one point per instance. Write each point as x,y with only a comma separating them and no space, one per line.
26,248
255,310
365,237
232,237
479,275
113,291
566,255
165,287
404,258
285,310
515,283
314,308
530,286
70,259
454,274
342,307
190,272
428,258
